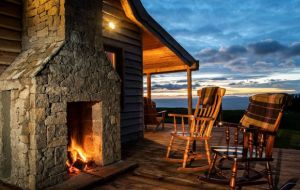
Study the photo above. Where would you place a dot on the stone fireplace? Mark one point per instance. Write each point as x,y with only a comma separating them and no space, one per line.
61,86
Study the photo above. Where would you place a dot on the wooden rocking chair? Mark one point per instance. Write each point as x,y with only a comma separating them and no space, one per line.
198,127
258,128
151,116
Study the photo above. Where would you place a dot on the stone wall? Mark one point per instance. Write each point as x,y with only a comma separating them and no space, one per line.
87,78
19,121
5,144
43,22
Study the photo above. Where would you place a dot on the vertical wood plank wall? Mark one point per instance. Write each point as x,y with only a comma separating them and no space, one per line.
128,37
10,31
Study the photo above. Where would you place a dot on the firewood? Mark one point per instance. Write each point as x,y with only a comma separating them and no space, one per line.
71,158
79,164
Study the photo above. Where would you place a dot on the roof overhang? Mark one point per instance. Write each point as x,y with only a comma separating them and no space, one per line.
161,52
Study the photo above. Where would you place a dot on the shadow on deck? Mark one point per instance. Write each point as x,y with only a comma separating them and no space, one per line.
155,173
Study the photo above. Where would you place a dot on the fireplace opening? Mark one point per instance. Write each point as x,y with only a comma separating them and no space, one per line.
84,136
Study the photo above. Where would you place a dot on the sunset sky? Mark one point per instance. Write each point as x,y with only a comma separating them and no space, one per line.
245,46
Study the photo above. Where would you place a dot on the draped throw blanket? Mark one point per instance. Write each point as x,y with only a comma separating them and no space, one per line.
264,109
207,95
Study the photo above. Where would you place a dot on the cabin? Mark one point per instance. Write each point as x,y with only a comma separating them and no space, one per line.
137,46
72,74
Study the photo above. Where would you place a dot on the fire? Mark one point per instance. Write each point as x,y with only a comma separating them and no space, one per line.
77,158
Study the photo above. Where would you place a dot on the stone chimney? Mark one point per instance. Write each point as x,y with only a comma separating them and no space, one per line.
43,22
62,62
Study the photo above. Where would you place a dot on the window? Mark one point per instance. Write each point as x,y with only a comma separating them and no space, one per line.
112,57
115,55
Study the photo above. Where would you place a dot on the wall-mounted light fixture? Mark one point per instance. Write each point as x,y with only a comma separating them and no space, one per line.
111,25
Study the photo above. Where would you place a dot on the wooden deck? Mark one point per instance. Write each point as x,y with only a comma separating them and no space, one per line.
155,173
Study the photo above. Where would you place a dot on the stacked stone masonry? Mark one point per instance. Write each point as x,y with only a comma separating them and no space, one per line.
44,22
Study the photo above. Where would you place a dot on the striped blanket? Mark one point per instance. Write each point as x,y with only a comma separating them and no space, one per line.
263,111
207,95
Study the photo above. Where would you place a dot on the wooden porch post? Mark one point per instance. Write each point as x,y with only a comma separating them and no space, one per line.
149,86
189,86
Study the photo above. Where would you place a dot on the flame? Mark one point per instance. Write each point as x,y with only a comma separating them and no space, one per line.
76,153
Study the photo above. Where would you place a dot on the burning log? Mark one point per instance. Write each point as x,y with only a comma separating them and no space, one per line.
78,160
71,157
79,164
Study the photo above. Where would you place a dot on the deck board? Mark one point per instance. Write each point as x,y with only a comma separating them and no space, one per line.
155,173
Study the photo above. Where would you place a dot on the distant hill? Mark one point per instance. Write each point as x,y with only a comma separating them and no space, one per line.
295,106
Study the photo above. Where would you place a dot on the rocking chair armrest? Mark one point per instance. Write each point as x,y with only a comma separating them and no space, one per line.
162,112
181,115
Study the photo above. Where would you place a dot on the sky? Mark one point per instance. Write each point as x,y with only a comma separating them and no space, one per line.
248,47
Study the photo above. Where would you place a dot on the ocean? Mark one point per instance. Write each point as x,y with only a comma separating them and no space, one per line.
229,103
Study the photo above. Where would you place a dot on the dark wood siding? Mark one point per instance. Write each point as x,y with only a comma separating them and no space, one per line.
10,31
128,37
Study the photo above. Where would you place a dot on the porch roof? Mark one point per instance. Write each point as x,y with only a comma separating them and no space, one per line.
161,52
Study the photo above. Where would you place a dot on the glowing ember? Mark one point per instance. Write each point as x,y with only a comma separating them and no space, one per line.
77,158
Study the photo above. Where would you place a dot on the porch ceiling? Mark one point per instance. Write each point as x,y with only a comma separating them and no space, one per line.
161,52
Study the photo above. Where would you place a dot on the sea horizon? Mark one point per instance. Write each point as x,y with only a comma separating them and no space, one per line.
229,102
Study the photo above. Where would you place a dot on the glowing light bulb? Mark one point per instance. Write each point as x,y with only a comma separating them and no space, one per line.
112,25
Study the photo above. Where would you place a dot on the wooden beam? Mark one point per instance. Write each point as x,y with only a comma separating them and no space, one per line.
189,94
149,86
163,64
170,69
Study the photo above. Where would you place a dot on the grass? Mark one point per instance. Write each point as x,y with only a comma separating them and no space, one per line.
288,139
289,130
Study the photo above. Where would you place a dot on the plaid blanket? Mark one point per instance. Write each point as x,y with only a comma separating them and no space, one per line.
207,95
263,111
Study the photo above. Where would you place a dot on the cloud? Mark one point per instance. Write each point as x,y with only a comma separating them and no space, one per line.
263,65
182,81
239,65
289,63
266,47
294,49
261,48
207,52
219,78
235,49
208,55
202,30
258,57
